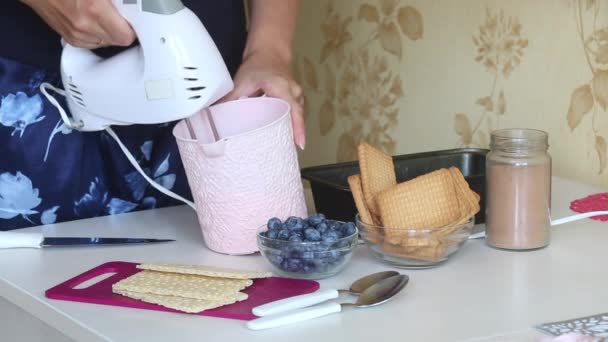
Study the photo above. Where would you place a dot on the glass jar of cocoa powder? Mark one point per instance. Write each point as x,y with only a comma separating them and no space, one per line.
518,189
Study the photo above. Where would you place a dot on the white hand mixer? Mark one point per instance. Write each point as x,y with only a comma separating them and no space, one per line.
174,72
238,156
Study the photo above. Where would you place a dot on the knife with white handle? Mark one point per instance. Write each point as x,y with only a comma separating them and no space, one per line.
21,240
38,240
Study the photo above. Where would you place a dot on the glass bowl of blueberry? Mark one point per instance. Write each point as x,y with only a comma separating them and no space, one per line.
307,248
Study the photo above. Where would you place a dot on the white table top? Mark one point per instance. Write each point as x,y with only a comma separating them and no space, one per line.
480,294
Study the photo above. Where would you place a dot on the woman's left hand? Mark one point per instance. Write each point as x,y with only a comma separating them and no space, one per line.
266,73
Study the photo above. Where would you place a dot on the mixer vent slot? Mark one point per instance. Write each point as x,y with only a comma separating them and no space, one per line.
196,88
191,87
76,94
80,102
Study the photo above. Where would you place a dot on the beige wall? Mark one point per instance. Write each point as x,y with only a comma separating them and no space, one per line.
411,76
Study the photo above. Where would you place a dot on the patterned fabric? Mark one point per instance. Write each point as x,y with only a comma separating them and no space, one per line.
50,173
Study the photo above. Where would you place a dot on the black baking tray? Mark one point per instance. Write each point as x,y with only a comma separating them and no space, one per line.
333,198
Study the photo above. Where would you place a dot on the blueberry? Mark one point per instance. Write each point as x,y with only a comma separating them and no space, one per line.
319,248
296,232
320,262
308,269
334,234
272,234
276,260
329,240
294,223
312,235
333,256
295,238
274,223
343,243
294,265
349,229
308,255
332,224
316,219
322,227
338,233
296,250
284,265
283,234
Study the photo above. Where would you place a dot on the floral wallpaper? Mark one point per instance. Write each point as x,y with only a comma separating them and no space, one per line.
359,91
500,48
421,75
591,98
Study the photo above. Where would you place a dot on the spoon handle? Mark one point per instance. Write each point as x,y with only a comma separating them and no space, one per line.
295,302
294,316
555,222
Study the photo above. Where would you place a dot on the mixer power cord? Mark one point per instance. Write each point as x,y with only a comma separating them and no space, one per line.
77,125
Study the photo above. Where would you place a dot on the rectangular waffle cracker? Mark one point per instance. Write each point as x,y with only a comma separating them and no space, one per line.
427,201
190,305
377,174
354,182
184,285
426,253
469,198
427,241
208,271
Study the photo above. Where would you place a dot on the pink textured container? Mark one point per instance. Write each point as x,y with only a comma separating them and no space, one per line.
250,174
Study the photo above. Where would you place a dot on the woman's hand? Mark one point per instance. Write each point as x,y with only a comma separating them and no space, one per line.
87,24
267,73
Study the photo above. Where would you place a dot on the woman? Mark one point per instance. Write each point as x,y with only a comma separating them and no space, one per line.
49,173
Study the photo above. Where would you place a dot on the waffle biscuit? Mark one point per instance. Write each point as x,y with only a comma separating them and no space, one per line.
377,174
184,304
425,202
354,182
204,270
469,199
184,285
424,253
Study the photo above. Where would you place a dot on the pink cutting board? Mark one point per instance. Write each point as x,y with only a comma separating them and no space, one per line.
262,291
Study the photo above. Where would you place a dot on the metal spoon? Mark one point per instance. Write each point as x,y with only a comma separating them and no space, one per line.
301,301
374,295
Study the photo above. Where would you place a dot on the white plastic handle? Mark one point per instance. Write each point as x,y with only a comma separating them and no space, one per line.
294,316
20,240
577,217
555,222
295,302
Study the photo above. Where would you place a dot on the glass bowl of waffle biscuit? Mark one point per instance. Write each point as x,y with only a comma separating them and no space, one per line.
416,223
414,248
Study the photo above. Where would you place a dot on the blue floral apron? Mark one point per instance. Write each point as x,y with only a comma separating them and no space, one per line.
50,173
